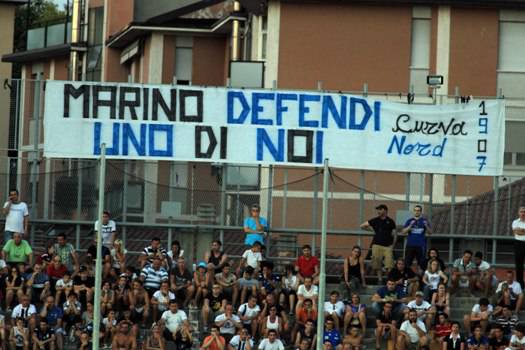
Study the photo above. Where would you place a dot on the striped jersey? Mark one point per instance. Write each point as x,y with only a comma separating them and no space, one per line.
153,278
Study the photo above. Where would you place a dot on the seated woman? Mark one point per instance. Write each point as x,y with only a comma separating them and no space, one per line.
353,273
432,277
441,299
355,314
272,321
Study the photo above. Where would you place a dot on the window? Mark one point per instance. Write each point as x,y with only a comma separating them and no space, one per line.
520,158
183,60
264,37
507,158
511,54
420,52
95,42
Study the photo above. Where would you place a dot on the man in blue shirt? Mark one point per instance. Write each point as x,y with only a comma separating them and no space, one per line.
255,226
477,341
331,334
53,314
393,294
417,228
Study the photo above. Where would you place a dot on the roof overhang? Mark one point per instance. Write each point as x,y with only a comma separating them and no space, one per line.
39,54
134,31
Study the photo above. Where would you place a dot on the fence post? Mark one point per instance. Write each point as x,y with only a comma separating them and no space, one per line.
285,199
79,203
452,219
34,164
125,202
222,219
407,190
269,207
314,207
495,218
361,202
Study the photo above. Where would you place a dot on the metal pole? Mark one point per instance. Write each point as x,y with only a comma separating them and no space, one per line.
269,208
314,208
34,164
495,219
452,218
79,203
98,264
222,219
285,199
322,276
361,201
125,201
407,190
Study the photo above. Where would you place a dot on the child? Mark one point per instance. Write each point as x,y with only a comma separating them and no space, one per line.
353,340
252,257
63,287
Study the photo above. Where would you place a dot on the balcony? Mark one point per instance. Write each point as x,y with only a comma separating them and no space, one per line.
50,34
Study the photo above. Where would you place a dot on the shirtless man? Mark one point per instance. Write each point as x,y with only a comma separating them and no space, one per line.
123,340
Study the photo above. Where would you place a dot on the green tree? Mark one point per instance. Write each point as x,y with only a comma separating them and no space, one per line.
39,12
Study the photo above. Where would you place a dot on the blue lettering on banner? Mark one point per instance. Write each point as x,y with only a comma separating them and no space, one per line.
319,147
280,109
149,131
256,108
232,97
158,128
421,149
263,139
129,136
304,110
110,151
330,108
354,124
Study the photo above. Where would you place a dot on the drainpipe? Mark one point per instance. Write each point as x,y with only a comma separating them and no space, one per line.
236,40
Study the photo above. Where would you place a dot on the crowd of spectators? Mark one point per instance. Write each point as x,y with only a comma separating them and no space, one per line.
48,297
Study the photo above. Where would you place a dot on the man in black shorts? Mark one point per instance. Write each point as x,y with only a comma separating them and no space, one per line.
180,279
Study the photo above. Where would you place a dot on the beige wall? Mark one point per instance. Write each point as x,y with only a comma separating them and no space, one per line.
7,17
344,46
474,51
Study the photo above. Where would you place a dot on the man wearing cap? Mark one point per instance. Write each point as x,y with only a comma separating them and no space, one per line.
425,311
384,239
255,226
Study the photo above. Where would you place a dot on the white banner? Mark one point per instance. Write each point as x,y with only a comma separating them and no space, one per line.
187,123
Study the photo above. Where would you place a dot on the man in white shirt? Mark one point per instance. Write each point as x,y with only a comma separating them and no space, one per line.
26,311
271,343
483,277
334,308
481,313
307,290
412,331
509,292
16,216
228,323
425,311
518,228
252,257
517,341
173,319
248,314
241,341
109,230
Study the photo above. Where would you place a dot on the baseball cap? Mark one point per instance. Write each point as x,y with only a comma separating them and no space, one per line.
202,264
420,294
382,206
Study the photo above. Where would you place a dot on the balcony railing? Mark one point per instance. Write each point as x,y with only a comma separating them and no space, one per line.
50,34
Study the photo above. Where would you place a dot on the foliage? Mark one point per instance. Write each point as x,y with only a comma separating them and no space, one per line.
40,12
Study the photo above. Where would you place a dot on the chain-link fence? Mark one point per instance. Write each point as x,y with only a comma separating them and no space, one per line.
197,202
